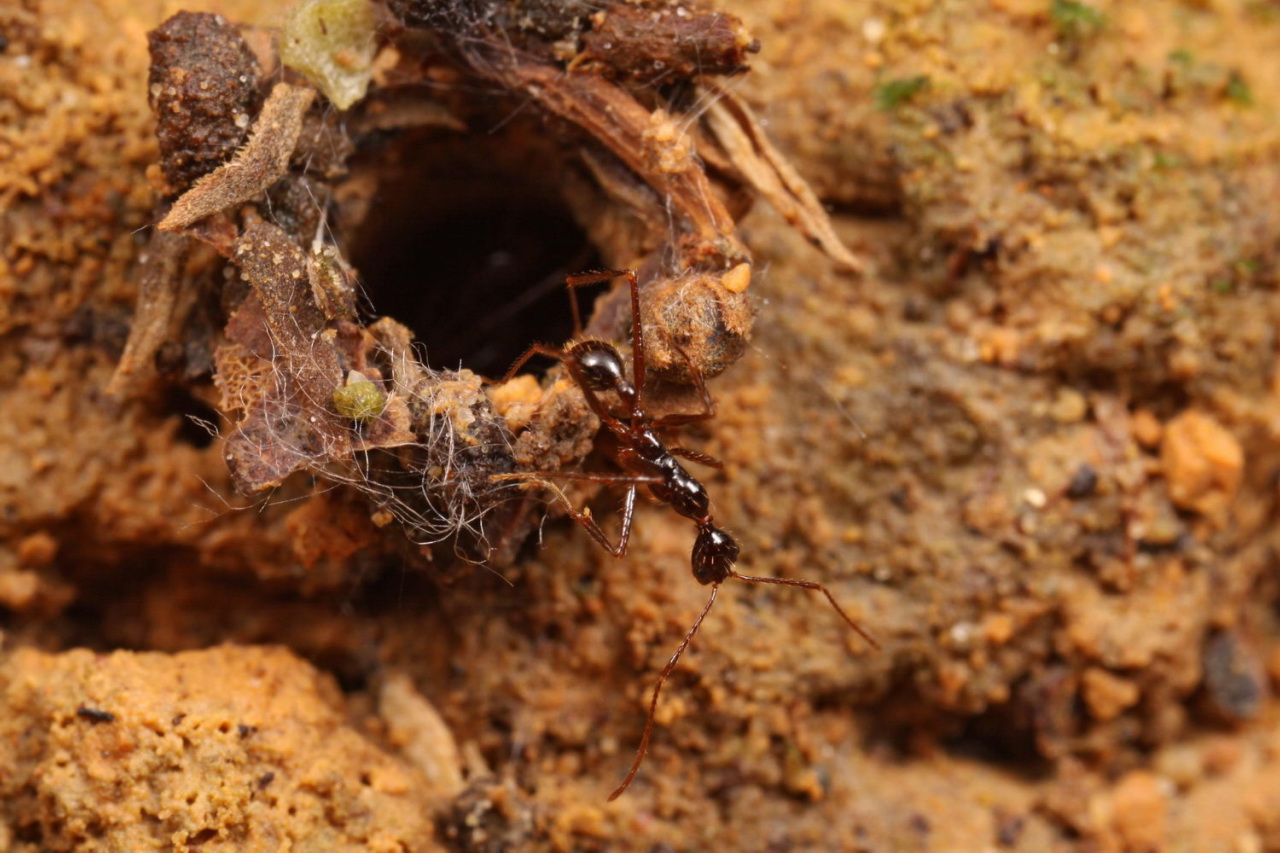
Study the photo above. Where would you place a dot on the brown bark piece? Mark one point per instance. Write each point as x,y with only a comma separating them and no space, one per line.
260,163
649,44
157,297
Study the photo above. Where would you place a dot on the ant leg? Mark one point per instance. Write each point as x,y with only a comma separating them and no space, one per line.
570,284
708,402
657,689
614,479
637,338
589,524
583,517
819,587
536,349
583,279
697,456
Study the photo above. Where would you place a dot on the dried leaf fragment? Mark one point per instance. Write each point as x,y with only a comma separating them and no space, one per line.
732,125
651,144
332,43
291,424
262,161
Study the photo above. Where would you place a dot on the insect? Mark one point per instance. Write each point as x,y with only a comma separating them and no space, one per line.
645,460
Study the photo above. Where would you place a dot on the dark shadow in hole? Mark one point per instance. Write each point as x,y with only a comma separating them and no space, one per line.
903,725
468,245
196,418
998,738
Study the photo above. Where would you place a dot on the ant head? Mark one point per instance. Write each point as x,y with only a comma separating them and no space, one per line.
714,553
600,367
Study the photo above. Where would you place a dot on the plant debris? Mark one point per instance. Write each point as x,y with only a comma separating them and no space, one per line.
203,90
306,384
332,43
263,161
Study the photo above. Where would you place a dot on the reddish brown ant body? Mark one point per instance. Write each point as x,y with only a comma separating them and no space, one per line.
597,368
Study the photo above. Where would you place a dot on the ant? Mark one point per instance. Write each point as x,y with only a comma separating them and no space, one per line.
597,368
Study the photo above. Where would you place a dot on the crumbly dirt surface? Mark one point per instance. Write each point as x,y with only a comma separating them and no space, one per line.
1033,449
138,751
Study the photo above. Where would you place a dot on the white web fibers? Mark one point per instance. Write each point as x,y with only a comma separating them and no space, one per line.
438,487
425,451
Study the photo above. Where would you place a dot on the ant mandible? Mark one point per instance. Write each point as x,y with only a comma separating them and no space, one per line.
597,368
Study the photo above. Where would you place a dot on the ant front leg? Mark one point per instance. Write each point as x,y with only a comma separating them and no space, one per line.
637,333
697,456
708,402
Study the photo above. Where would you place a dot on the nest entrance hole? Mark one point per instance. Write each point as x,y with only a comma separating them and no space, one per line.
468,242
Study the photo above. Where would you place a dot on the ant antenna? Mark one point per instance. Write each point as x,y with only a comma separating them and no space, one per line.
814,585
657,689
671,664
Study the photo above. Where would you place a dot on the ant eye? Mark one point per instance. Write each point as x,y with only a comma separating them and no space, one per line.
601,366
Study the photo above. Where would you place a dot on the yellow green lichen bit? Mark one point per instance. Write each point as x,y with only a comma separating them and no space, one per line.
360,400
332,43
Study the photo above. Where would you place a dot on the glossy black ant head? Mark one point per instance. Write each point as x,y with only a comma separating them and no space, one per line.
600,367
714,553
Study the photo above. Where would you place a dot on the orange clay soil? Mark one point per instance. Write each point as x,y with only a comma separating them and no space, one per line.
1033,448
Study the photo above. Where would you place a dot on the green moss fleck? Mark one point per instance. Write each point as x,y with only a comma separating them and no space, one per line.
1238,90
1075,20
892,94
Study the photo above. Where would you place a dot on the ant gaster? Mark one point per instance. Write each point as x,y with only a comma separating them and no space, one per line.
597,368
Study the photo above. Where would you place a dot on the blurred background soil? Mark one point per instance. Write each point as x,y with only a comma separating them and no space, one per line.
1035,449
